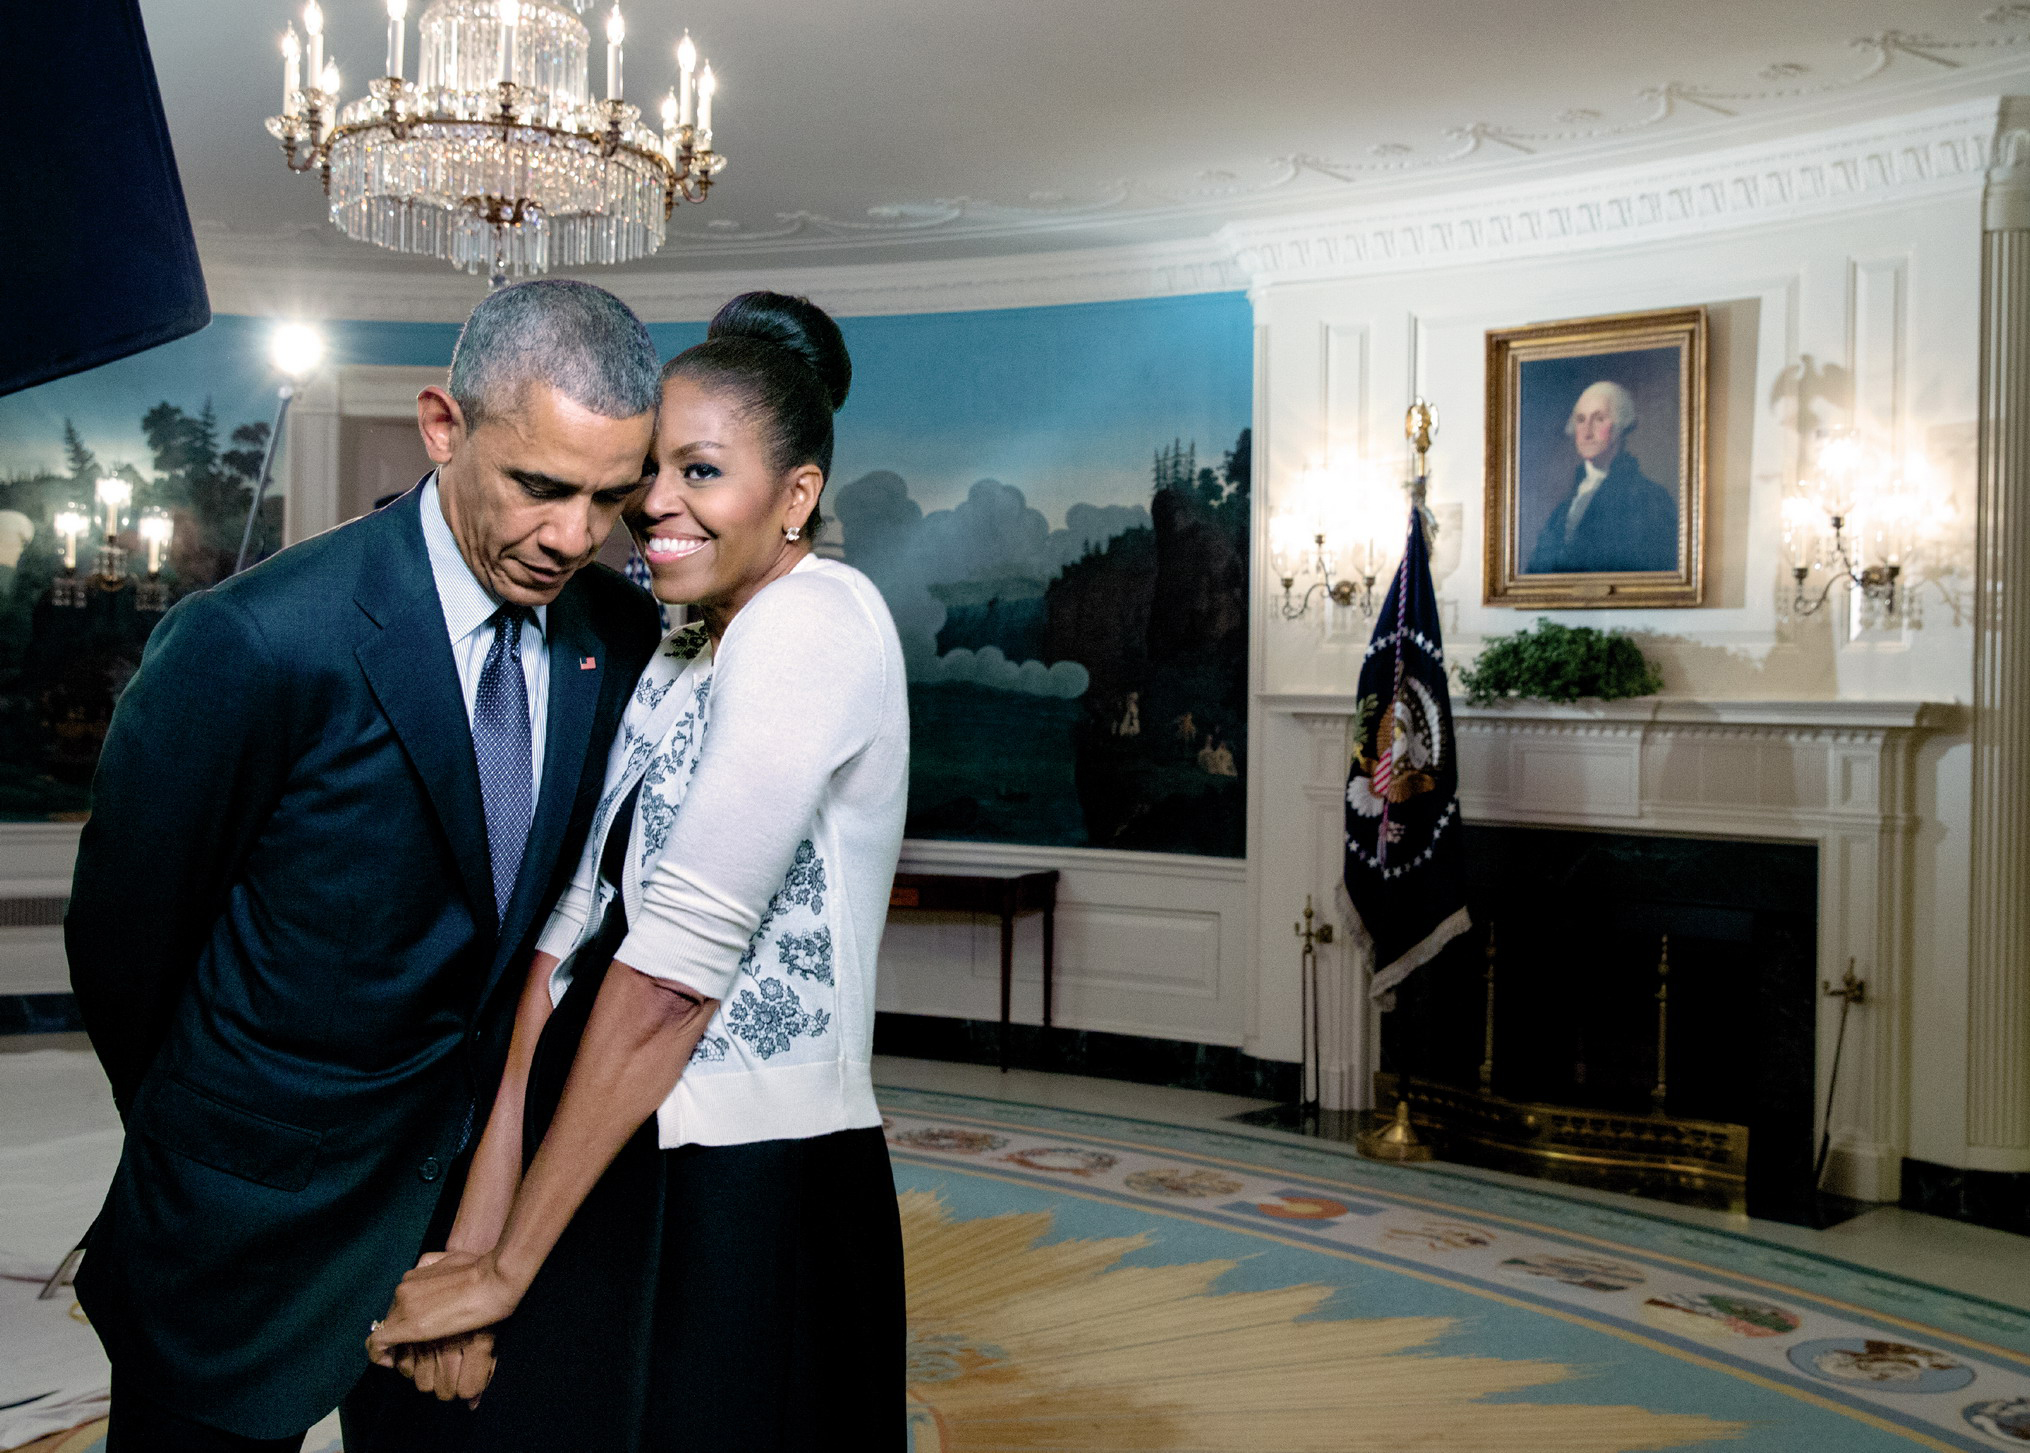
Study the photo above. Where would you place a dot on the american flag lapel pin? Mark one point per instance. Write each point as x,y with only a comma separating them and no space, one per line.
588,663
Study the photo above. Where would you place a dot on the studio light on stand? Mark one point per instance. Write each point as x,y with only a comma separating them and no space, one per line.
295,349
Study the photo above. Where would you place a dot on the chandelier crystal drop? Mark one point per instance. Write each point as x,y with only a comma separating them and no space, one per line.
497,157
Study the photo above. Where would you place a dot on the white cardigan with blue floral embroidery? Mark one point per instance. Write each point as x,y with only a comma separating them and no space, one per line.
774,775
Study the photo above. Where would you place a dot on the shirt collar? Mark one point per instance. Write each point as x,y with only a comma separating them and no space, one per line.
1593,475
468,605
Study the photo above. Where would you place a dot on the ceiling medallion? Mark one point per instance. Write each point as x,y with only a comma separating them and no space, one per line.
497,158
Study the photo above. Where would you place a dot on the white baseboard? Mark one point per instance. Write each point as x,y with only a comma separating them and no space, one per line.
32,961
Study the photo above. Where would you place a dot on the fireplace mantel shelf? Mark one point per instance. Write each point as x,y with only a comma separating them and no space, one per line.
1848,712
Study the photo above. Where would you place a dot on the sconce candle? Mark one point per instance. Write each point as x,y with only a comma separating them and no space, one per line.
157,529
1858,515
71,522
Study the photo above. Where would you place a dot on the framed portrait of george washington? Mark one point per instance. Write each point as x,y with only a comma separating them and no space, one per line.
1596,462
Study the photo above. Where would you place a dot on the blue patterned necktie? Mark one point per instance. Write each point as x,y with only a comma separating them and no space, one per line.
500,740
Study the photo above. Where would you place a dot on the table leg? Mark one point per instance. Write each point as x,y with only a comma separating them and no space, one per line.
1007,978
1049,955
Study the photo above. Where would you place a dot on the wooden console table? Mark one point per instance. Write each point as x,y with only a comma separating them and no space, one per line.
1003,895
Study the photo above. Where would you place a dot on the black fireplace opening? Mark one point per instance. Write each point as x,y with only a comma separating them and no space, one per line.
1580,921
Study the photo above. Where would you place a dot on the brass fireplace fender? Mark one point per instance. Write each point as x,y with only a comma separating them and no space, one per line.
1694,1162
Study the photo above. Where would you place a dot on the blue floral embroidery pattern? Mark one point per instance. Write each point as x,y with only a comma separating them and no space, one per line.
659,814
802,887
639,750
685,644
711,1049
808,955
805,883
650,695
769,1016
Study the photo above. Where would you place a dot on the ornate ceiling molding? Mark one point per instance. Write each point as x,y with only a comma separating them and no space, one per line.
1930,155
244,277
1943,151
1885,60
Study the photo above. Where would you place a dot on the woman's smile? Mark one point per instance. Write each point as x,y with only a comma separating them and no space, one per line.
664,549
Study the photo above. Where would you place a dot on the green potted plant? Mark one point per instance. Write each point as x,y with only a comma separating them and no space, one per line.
1552,662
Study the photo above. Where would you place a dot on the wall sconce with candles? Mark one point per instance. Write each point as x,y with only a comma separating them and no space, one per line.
1860,515
1344,525
103,520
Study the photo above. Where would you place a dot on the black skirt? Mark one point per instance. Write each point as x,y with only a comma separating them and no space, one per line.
708,1298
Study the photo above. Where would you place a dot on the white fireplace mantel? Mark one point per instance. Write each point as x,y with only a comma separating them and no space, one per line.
1836,773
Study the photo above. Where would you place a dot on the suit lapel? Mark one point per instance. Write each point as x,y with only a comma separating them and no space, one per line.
574,701
409,666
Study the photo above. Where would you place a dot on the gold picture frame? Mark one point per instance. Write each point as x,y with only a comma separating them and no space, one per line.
1585,507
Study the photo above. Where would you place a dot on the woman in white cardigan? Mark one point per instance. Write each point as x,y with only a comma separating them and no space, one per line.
680,1224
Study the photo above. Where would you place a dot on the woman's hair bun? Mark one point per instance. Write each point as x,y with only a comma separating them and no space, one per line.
797,324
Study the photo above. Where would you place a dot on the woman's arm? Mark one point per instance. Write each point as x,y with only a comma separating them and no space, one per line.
637,1042
462,1367
497,1164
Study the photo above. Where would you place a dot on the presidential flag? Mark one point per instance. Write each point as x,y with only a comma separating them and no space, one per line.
1405,876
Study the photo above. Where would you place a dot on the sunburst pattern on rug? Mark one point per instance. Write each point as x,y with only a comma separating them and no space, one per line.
1086,1282
1019,1343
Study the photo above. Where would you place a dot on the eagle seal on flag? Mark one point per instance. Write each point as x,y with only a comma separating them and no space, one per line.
1405,878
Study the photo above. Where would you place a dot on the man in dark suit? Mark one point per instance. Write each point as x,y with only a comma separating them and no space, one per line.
334,805
1616,517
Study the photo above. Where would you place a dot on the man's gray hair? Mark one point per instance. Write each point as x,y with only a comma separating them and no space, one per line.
581,340
1618,398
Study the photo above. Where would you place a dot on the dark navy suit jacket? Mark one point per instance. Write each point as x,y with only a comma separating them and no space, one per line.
283,940
1630,524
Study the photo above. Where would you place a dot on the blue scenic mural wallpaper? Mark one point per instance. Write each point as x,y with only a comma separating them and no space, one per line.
1053,501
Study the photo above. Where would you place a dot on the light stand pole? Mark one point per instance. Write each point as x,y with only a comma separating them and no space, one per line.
282,397
295,349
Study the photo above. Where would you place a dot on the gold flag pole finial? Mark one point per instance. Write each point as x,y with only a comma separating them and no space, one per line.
1420,427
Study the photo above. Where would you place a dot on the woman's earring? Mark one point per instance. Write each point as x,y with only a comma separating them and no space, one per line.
793,532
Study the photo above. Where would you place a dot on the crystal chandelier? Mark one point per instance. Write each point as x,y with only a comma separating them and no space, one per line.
496,157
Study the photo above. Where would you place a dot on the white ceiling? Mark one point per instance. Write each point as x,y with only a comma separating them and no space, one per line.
891,129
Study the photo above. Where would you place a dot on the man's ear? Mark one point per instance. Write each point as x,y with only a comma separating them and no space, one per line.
441,422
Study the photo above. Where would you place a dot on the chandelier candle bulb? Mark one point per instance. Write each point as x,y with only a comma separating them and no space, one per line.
328,81
687,65
616,32
398,12
292,71
510,17
708,87
313,26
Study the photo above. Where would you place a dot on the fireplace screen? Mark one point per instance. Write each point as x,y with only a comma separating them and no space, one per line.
1644,1020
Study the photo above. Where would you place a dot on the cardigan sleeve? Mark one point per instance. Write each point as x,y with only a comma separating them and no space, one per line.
566,924
797,688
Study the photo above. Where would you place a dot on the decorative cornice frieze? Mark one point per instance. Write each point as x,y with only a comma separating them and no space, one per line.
1923,156
245,277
